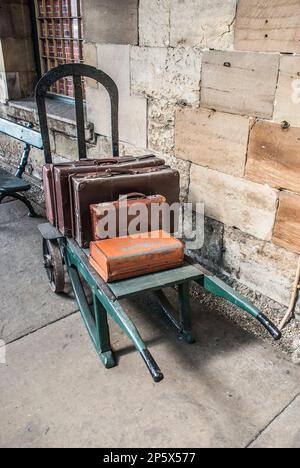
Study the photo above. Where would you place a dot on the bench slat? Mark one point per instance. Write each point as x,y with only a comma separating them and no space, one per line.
27,135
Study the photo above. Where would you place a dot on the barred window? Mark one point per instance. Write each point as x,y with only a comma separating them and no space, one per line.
59,26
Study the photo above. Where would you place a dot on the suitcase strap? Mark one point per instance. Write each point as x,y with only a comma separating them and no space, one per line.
143,170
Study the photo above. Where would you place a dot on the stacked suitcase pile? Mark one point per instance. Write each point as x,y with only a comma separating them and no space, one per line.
73,190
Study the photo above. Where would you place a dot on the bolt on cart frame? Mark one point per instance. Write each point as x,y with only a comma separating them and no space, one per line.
61,252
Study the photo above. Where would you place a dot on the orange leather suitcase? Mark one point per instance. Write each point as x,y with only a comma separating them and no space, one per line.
127,257
132,204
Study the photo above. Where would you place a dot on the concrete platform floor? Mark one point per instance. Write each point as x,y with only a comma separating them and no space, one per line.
228,390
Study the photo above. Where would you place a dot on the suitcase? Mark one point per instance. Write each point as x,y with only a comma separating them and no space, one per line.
49,186
95,188
132,204
56,184
131,256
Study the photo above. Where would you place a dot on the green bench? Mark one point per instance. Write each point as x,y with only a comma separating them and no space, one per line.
13,185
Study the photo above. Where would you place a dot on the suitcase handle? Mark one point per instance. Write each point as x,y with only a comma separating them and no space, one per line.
133,195
145,170
114,160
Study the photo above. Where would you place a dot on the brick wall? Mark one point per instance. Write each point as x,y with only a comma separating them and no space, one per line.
207,84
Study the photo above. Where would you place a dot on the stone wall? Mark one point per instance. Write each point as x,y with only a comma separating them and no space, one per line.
207,84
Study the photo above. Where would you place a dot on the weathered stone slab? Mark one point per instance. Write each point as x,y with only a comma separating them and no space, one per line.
260,265
239,83
287,96
268,25
154,23
236,202
173,74
111,21
287,225
212,139
114,60
161,126
203,23
90,58
132,116
274,156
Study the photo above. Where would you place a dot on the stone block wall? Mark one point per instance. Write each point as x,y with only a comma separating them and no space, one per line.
208,85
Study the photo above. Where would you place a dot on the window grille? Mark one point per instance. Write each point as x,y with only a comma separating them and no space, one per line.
59,25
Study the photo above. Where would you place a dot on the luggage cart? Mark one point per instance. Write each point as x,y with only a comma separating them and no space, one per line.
64,254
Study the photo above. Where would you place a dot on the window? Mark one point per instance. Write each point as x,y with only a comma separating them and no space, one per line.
59,27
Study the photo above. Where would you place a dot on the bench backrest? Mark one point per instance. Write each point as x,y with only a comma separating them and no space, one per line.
21,133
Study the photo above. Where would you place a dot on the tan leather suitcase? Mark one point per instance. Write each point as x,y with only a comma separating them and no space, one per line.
131,256
129,208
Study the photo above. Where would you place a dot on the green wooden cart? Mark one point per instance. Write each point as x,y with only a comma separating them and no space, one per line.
61,253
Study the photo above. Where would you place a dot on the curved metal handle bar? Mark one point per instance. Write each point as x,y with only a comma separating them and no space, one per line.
77,71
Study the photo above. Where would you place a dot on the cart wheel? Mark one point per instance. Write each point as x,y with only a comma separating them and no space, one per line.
54,266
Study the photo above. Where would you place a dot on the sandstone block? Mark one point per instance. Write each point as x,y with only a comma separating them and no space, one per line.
172,74
287,226
239,83
111,21
154,23
212,139
268,25
235,202
287,100
261,266
274,156
203,23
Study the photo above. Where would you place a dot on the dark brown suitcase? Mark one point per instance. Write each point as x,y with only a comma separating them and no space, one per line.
95,188
131,203
52,211
49,186
61,182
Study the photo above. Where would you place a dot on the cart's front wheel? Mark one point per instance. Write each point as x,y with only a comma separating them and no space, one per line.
54,266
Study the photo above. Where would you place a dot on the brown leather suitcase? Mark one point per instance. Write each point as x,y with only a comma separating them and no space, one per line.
49,186
56,188
130,206
131,256
61,182
95,188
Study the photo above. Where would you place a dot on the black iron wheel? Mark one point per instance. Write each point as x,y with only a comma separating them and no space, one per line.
54,266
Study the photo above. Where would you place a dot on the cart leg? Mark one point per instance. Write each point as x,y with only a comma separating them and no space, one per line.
103,337
185,312
98,328
117,313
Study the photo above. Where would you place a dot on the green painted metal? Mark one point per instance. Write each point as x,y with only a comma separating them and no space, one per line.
221,289
155,281
21,133
182,327
106,302
185,312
